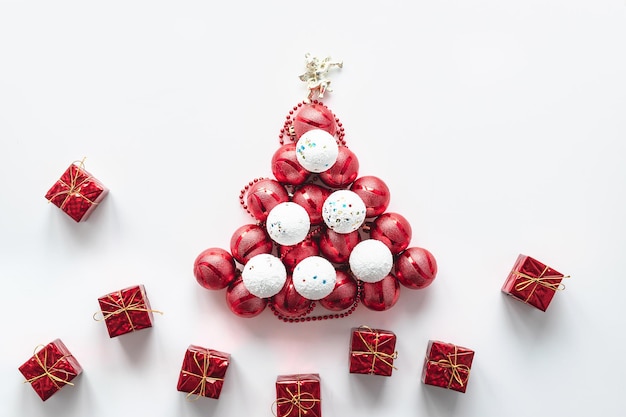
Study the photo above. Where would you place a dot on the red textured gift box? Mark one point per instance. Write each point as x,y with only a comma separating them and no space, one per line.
447,365
372,351
203,372
126,310
533,282
298,395
77,192
50,369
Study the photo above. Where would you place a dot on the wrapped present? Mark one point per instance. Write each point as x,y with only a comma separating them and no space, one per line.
77,192
298,396
126,310
532,282
203,371
51,368
372,351
447,365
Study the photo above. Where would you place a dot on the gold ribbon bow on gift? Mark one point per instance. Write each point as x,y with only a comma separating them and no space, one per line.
47,371
385,358
74,185
297,400
455,368
200,389
528,280
133,305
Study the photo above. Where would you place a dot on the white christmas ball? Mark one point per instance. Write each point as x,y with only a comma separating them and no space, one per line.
371,260
344,211
314,278
264,275
317,150
288,224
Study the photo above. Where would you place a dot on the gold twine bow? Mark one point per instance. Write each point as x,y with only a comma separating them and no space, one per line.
47,371
385,358
74,185
200,389
455,368
528,280
297,400
133,305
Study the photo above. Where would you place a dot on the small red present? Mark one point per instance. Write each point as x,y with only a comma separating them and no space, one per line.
50,369
77,192
203,372
447,365
372,351
533,283
298,396
126,310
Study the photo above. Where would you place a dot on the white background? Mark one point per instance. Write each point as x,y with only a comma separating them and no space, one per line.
499,127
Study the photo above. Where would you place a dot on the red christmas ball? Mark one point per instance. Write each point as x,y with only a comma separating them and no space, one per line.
312,197
292,255
381,295
214,269
314,116
263,196
344,294
338,246
416,268
289,303
393,230
286,168
241,302
248,241
374,193
344,171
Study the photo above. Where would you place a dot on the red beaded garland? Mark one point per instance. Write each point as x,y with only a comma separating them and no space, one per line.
263,196
312,197
241,302
344,171
292,255
381,295
374,193
338,246
289,303
416,268
314,116
344,294
286,168
250,240
393,230
214,269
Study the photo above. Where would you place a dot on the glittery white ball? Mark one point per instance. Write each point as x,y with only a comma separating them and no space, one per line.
344,211
264,275
371,260
317,150
314,278
288,224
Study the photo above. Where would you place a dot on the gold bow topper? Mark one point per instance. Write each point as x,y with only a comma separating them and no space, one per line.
385,358
297,400
200,389
47,371
133,305
455,369
74,185
528,280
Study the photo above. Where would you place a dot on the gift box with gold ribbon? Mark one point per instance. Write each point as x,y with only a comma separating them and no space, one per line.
202,373
447,365
372,351
126,310
298,395
51,368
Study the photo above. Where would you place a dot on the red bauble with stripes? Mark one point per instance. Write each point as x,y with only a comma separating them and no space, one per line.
416,268
338,246
344,171
241,302
381,295
344,294
248,241
393,230
374,193
312,197
263,195
314,116
289,303
214,269
286,168
292,255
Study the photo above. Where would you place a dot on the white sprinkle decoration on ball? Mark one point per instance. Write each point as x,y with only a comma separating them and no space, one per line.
317,150
288,224
371,260
344,211
314,278
264,275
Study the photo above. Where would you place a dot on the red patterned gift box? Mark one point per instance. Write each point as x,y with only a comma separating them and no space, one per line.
77,192
298,396
447,365
126,310
372,351
50,369
203,372
532,282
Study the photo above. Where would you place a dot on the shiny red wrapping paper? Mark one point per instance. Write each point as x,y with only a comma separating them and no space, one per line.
298,395
77,193
203,371
372,351
50,369
126,310
532,282
447,365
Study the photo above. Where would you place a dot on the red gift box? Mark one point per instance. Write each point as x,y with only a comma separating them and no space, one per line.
532,282
447,365
50,369
203,372
372,351
77,192
126,310
298,396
